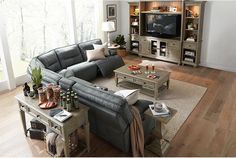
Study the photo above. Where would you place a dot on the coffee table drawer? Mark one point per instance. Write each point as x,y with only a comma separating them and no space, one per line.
127,78
138,81
148,85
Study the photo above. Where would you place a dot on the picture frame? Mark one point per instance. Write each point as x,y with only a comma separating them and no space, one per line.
115,22
111,11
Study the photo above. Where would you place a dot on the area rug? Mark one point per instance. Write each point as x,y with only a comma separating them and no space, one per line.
181,96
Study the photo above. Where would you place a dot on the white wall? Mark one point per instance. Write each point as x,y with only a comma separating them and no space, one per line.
219,35
118,18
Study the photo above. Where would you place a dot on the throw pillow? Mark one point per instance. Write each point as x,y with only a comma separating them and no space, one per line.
130,95
99,46
95,54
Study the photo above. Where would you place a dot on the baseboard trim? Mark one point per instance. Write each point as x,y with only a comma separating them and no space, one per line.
219,67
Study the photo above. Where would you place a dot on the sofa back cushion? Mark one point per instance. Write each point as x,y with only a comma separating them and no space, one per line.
69,55
104,99
50,61
88,45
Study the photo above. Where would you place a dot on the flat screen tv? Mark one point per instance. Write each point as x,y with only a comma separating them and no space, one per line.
162,25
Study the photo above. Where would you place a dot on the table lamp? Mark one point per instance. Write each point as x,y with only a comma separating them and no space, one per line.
108,27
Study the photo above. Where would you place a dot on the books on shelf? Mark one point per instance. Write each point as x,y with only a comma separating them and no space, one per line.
162,113
63,115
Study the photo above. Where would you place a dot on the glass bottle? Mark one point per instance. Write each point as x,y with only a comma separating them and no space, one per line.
68,105
76,102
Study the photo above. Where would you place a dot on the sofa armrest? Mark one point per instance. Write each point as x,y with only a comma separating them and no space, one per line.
50,75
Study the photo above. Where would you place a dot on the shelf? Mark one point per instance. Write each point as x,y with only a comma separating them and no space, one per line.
190,30
134,25
134,15
192,18
156,12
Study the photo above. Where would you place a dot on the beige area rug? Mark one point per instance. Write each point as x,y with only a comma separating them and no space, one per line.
181,96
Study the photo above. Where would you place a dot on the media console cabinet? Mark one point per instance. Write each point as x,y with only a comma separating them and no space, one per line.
182,49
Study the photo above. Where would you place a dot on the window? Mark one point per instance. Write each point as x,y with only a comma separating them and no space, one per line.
34,27
86,19
1,71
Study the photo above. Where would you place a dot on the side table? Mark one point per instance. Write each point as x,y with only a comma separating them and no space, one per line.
78,119
159,145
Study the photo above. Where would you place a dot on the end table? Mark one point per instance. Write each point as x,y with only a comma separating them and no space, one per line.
159,145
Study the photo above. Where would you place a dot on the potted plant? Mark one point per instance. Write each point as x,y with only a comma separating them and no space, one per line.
120,40
36,78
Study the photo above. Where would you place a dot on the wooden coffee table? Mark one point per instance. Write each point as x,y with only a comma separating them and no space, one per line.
64,129
151,87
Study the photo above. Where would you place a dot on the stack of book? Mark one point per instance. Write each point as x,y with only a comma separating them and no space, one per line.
162,112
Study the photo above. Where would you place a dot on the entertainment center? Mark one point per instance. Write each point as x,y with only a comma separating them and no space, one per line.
167,30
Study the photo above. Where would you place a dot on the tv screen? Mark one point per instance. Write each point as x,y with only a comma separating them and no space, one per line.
163,25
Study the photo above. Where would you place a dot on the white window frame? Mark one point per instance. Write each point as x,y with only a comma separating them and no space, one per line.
10,81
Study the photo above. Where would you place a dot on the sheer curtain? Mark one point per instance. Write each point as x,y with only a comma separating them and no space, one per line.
89,17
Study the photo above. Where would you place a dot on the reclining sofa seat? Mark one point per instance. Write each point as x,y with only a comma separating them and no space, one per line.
109,114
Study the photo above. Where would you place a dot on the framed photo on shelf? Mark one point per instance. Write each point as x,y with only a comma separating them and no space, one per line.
111,11
115,23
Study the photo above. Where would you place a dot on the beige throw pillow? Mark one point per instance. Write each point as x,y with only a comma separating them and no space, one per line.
130,95
95,54
99,46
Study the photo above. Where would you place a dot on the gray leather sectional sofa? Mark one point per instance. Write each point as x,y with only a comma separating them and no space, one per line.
109,115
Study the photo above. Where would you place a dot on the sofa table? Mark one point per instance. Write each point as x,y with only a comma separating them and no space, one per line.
159,145
64,129
151,87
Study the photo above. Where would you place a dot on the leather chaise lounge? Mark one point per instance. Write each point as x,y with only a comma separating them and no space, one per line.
109,115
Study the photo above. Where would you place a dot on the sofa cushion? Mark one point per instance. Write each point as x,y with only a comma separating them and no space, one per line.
50,61
104,45
69,55
85,70
109,64
88,45
130,95
95,54
66,83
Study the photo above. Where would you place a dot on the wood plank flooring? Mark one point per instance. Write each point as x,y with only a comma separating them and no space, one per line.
210,130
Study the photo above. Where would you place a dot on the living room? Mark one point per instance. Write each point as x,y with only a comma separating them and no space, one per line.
125,86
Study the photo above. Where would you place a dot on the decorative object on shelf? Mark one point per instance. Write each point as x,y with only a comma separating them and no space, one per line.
50,91
190,39
47,105
36,78
111,11
172,9
136,11
42,95
152,76
26,89
108,27
56,94
134,67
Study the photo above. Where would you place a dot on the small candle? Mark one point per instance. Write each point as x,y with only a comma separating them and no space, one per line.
153,67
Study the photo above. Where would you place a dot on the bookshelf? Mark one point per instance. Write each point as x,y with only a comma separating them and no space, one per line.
193,20
134,27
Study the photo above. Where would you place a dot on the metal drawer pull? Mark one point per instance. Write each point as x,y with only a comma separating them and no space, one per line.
124,76
38,116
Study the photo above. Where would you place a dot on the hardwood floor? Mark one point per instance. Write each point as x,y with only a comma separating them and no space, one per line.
210,130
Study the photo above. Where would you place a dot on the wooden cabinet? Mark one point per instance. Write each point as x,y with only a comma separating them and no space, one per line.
134,27
191,50
163,49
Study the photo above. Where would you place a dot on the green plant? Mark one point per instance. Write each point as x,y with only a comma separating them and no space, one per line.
120,39
36,76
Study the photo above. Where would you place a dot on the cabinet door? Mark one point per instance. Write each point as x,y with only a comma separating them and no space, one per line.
145,46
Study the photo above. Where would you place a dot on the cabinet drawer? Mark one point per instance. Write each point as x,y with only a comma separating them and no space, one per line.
190,46
148,85
138,81
127,78
54,126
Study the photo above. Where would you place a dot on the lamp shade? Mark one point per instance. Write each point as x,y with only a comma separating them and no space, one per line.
108,26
